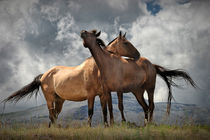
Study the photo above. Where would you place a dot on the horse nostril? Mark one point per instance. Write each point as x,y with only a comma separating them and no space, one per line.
82,33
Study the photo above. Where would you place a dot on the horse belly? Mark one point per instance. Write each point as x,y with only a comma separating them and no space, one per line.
72,89
74,93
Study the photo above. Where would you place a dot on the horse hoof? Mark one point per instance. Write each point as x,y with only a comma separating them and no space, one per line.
106,125
123,121
49,125
59,126
89,125
112,122
145,122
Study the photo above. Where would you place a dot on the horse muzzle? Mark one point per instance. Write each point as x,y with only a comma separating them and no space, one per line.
83,34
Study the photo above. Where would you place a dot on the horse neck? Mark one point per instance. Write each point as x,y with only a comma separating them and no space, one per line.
99,56
113,49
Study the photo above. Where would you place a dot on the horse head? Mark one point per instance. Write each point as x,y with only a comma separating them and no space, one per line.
121,46
90,37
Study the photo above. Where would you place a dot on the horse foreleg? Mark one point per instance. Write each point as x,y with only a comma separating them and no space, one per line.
110,108
103,101
90,109
120,105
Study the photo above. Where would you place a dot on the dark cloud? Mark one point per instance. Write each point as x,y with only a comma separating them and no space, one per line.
36,35
6,54
103,11
178,36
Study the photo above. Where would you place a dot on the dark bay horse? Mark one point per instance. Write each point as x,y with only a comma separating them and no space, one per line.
78,83
126,75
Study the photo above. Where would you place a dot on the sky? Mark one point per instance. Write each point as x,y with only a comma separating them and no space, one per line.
36,35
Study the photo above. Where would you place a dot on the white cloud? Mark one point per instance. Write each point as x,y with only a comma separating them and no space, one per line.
104,37
143,7
50,12
161,94
175,37
73,5
35,36
118,4
16,22
65,26
15,18
68,34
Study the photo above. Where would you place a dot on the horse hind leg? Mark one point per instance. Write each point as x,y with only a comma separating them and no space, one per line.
50,105
50,99
58,105
120,105
151,103
139,94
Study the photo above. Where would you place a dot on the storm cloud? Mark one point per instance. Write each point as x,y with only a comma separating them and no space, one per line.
36,35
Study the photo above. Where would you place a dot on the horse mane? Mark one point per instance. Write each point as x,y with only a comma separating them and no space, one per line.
100,42
112,41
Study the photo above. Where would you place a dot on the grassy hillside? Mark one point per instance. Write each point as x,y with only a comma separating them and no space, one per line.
180,113
125,131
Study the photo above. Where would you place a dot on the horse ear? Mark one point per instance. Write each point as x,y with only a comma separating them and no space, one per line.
94,31
98,34
120,34
124,35
100,42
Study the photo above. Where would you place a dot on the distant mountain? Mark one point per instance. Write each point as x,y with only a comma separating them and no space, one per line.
77,111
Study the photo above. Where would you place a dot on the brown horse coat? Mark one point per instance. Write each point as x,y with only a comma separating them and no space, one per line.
124,75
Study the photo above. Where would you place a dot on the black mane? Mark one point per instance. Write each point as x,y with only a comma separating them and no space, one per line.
112,41
100,42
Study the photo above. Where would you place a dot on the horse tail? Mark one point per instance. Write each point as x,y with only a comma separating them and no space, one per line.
168,76
28,90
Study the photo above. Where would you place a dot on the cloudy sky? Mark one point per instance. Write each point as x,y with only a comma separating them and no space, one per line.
36,35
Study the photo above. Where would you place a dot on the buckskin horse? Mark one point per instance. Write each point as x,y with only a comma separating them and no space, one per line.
77,83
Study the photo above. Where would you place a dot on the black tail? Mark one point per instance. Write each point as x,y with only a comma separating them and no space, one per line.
29,89
168,76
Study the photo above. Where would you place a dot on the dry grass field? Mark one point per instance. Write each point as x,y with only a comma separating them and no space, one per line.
116,132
